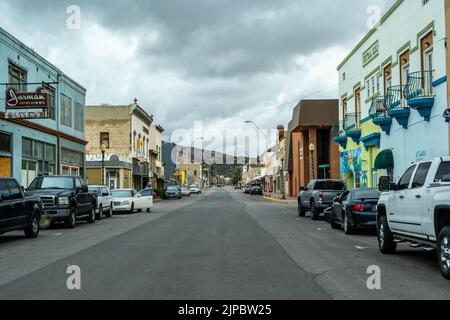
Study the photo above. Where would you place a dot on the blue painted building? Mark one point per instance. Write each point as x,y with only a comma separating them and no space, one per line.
56,145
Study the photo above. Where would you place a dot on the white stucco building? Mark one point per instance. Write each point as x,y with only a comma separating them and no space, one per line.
394,83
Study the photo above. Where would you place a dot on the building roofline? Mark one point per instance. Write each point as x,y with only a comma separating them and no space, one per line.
370,33
33,53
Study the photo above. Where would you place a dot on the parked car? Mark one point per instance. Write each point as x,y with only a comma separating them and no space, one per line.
318,196
17,211
123,200
103,204
355,209
173,192
64,198
256,190
238,187
247,189
194,189
143,201
417,210
185,192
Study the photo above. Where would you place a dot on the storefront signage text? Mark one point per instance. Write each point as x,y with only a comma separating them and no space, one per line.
26,100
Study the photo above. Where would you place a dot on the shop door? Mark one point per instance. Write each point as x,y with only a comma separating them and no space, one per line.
5,167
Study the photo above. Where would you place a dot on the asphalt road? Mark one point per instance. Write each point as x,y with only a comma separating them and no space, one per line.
219,245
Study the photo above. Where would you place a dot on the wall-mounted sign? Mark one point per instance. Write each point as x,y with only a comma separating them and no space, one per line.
27,100
446,115
370,54
26,115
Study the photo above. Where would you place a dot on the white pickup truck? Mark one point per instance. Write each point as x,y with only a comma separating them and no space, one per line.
417,210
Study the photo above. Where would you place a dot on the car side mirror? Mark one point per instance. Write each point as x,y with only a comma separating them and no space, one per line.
384,184
105,194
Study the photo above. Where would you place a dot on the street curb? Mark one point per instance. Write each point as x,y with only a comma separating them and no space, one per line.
279,201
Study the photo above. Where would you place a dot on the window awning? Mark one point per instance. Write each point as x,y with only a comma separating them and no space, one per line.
384,160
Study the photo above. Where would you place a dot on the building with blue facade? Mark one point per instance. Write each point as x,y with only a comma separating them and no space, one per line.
393,89
54,145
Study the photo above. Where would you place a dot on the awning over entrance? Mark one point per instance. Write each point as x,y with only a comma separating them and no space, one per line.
384,160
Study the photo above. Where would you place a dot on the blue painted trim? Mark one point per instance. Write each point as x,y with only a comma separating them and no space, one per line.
439,81
366,119
401,115
355,135
372,140
423,105
342,140
384,123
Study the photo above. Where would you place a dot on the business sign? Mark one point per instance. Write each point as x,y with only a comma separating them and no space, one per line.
26,115
27,100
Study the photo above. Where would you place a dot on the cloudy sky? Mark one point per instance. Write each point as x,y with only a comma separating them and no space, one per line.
217,61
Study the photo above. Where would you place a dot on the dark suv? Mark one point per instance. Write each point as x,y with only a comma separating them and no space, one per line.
65,199
18,212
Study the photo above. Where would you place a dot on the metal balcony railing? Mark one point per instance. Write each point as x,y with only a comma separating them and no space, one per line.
352,121
378,108
420,84
337,129
395,98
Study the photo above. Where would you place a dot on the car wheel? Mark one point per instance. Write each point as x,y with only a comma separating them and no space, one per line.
91,218
301,211
99,216
33,230
109,213
386,242
333,223
314,212
71,221
348,228
132,209
443,252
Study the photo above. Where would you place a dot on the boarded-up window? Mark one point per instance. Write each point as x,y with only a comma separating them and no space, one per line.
66,111
79,117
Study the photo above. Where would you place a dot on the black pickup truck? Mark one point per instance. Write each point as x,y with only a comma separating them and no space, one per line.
65,199
18,212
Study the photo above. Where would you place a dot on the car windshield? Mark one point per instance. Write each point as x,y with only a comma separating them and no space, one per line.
96,190
122,193
172,188
184,189
366,194
329,185
52,183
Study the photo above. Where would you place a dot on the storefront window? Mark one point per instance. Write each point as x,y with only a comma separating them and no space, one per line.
72,162
27,148
39,159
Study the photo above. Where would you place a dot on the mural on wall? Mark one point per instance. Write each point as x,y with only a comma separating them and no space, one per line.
352,165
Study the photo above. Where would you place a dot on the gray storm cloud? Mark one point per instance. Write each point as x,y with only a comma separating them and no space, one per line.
217,61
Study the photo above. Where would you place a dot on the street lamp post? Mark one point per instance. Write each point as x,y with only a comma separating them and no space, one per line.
103,149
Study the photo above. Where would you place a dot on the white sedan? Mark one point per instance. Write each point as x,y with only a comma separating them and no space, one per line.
124,200
143,201
194,189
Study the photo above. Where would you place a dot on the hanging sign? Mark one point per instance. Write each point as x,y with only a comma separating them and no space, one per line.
27,100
